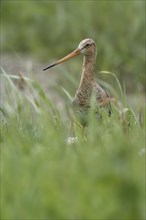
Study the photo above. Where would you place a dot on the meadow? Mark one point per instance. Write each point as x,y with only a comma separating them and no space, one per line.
43,176
50,170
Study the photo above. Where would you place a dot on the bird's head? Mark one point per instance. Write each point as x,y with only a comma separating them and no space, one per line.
86,47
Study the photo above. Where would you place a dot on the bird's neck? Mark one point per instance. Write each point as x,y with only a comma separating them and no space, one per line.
88,70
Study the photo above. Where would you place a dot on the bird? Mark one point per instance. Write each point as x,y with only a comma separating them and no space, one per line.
88,87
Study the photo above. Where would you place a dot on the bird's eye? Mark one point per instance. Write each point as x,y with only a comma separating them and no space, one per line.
87,45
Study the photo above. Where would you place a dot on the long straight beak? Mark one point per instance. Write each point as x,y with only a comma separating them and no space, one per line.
73,54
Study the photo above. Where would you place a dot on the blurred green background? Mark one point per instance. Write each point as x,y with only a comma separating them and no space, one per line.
49,30
42,176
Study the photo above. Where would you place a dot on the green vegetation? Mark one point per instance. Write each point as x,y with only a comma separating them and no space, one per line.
101,175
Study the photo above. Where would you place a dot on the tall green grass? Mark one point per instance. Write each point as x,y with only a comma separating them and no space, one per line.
100,176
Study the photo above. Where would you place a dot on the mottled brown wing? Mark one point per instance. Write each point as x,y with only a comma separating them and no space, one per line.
102,97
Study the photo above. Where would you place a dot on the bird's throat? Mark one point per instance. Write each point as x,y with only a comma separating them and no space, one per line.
88,70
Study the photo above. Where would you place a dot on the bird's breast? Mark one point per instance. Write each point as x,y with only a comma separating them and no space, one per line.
81,101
